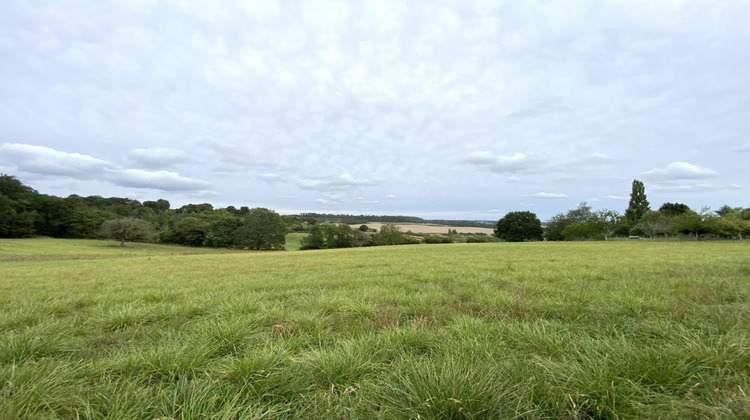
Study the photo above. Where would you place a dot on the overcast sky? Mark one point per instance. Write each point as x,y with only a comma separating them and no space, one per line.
439,109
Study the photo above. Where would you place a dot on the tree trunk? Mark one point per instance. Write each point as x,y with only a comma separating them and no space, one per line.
122,241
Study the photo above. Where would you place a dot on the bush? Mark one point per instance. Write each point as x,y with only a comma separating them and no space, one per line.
437,239
481,239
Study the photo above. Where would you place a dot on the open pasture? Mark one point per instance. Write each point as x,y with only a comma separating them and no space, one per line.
498,330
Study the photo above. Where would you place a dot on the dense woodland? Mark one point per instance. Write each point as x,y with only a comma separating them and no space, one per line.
24,213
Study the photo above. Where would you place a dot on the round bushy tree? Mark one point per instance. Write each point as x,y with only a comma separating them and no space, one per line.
125,229
263,229
519,226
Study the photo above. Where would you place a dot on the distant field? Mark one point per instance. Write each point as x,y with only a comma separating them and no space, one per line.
423,228
533,330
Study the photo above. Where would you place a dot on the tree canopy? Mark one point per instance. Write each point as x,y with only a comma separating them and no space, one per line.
638,204
125,229
518,226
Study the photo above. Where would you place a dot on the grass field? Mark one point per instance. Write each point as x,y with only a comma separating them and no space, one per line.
294,241
497,330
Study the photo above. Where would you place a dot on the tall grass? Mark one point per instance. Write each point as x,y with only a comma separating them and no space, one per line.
462,331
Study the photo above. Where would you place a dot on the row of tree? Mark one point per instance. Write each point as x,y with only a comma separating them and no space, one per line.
338,235
671,219
24,212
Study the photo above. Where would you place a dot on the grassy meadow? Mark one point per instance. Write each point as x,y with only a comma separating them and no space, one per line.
634,329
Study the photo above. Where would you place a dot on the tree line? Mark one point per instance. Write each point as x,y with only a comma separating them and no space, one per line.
638,220
24,212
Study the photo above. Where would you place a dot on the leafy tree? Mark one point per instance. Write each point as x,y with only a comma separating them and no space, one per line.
315,240
125,229
607,221
17,213
734,223
724,210
188,230
653,223
221,233
557,224
196,208
363,238
582,231
674,209
690,223
638,205
364,228
158,206
390,234
15,220
518,226
338,235
262,229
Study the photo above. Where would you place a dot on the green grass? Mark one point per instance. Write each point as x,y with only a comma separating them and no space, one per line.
294,241
455,331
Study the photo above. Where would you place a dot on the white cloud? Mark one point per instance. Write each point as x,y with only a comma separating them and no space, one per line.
744,148
271,178
591,159
47,161
517,162
159,180
684,188
548,195
680,171
157,157
342,182
617,197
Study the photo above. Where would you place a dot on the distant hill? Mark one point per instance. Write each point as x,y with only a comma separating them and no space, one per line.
362,218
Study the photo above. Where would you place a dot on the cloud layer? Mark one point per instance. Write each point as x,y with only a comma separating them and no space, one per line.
46,161
451,107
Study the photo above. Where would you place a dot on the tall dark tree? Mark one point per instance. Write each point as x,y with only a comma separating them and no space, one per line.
159,205
638,205
17,211
222,231
262,229
519,226
674,209
188,230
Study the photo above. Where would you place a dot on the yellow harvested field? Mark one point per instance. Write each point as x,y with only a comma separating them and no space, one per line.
420,228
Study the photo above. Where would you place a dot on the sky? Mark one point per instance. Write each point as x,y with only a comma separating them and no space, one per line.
438,109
